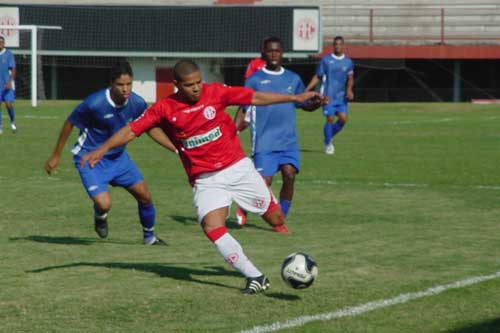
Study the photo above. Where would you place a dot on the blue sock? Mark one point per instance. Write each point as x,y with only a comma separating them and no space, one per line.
11,114
0,118
327,131
147,216
285,206
337,127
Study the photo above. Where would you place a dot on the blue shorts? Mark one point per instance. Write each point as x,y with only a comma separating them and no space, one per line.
333,109
118,171
267,164
7,95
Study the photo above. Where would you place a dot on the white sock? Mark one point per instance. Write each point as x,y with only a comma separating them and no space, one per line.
232,252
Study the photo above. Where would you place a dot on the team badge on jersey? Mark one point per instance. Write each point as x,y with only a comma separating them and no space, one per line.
209,112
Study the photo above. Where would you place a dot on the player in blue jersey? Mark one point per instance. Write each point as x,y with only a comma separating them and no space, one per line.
273,127
335,71
7,85
98,117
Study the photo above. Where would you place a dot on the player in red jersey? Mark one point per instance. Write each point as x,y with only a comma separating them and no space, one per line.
255,65
195,120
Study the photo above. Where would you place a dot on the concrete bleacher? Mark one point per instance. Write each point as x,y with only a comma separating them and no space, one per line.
391,21
413,22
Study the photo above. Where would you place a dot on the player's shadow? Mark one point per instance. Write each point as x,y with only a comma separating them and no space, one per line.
488,326
184,219
176,272
56,240
230,222
282,296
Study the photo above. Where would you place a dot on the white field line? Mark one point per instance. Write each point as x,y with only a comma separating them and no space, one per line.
39,117
442,120
389,184
370,306
29,116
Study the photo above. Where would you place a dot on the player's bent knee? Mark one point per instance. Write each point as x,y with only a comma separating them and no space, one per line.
103,203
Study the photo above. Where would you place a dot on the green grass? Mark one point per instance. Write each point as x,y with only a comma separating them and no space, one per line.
411,200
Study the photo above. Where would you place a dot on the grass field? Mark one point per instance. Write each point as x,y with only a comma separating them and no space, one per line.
411,200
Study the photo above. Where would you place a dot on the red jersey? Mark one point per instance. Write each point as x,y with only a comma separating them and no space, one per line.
203,133
254,65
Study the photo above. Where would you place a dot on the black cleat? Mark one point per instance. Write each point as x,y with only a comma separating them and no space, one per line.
256,285
154,241
101,227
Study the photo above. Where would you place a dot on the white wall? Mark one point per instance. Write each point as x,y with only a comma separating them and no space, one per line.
145,73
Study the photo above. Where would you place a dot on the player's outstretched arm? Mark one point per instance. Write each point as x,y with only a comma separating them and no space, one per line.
53,161
266,98
313,83
162,139
118,139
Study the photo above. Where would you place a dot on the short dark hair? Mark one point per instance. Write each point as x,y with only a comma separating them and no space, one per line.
120,68
338,38
2,38
185,67
271,39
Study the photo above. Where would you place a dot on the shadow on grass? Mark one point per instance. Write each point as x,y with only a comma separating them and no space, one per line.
489,326
163,270
184,219
286,297
230,222
56,240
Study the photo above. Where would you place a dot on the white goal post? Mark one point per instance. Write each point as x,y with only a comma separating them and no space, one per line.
34,29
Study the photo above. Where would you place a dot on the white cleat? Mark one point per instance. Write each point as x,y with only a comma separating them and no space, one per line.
329,149
14,128
1,130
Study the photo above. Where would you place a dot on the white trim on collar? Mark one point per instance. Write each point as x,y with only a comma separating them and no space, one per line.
267,71
110,101
338,57
3,51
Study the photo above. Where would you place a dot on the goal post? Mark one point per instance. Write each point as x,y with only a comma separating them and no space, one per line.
34,56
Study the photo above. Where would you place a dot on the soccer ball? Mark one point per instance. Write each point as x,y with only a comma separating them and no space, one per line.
299,270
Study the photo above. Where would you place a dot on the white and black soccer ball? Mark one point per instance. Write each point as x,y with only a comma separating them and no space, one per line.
299,270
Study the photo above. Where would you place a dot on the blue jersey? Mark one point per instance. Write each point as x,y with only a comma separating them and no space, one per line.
98,118
334,71
273,127
7,62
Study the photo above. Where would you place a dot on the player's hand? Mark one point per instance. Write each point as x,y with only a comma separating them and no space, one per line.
51,165
92,158
301,98
350,95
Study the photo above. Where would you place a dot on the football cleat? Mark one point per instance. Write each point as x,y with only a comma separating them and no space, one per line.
101,227
154,241
14,128
256,285
329,149
282,229
241,216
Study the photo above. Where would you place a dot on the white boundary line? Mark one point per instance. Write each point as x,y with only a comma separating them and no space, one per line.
388,184
370,306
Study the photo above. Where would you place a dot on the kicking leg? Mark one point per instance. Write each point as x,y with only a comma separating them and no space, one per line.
213,225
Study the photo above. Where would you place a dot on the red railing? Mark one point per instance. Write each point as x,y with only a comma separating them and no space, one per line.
445,33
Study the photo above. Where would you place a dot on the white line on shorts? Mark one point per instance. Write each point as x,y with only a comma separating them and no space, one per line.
370,306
